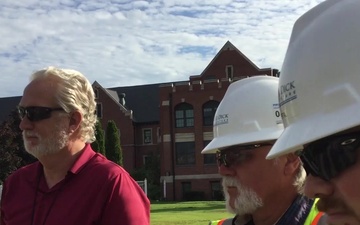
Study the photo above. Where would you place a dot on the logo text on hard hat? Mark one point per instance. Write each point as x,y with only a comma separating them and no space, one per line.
287,93
221,119
277,113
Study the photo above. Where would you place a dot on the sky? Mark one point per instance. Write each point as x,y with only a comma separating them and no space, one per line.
136,42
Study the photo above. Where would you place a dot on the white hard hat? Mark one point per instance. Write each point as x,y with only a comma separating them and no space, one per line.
319,87
248,113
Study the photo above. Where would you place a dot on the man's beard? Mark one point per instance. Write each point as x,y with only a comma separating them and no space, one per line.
247,201
51,144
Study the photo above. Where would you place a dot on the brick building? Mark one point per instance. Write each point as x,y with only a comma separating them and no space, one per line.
187,110
174,121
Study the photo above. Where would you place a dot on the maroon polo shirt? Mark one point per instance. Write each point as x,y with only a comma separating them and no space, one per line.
95,191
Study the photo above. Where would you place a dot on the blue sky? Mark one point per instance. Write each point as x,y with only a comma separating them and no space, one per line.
130,42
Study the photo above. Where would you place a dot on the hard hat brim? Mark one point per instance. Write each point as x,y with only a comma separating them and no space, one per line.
314,128
251,138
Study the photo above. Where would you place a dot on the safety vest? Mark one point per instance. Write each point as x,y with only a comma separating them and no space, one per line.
221,222
314,218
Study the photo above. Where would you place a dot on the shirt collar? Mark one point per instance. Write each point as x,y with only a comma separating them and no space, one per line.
86,154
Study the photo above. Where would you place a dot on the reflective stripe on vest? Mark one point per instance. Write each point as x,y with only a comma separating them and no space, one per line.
214,222
221,222
314,215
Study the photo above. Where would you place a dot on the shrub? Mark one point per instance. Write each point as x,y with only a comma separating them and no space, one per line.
194,196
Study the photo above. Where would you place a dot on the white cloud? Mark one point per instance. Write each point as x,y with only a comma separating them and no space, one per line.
120,43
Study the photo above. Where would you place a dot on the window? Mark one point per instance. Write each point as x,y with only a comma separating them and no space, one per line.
186,188
98,111
158,133
147,136
185,153
229,71
96,93
209,158
209,110
216,191
146,160
184,115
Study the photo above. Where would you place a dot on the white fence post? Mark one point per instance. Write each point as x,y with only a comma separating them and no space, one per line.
164,186
143,185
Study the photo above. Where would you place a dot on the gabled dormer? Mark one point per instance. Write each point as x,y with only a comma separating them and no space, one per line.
109,97
230,64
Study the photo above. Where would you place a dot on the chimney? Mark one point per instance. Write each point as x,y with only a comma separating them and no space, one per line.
122,99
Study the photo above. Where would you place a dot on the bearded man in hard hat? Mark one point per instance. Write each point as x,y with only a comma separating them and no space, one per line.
319,95
259,191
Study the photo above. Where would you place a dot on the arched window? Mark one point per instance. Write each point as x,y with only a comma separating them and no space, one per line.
184,115
209,109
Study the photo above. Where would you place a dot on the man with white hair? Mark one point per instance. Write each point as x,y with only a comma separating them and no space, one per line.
258,191
70,184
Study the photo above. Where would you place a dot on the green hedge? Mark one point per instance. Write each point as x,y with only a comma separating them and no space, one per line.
194,196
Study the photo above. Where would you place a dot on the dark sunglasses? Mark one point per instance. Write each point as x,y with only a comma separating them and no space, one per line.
36,113
328,157
235,155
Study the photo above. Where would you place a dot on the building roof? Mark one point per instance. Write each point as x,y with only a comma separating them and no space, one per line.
143,100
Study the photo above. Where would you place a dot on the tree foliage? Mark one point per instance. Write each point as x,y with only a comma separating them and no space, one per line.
150,171
112,143
12,151
99,144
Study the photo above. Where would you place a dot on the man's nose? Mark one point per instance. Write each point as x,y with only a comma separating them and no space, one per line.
225,170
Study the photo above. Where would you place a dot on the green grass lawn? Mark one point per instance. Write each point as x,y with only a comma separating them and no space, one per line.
187,213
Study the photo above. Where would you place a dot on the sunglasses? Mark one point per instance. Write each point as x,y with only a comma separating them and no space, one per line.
328,157
36,113
235,155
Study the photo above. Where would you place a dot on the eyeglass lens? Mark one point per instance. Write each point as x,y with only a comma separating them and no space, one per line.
235,155
328,157
36,113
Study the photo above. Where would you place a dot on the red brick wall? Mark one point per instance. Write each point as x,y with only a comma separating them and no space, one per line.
111,111
143,149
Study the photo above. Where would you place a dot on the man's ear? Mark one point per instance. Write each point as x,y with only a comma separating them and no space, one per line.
292,164
75,120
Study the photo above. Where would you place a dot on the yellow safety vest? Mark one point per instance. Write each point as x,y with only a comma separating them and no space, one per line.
312,219
314,215
221,222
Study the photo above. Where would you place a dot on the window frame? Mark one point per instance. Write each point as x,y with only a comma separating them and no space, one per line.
96,93
229,69
185,153
184,115
146,160
211,114
144,136
99,113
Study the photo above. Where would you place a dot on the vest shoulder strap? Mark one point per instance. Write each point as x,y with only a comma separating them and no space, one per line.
222,222
315,217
